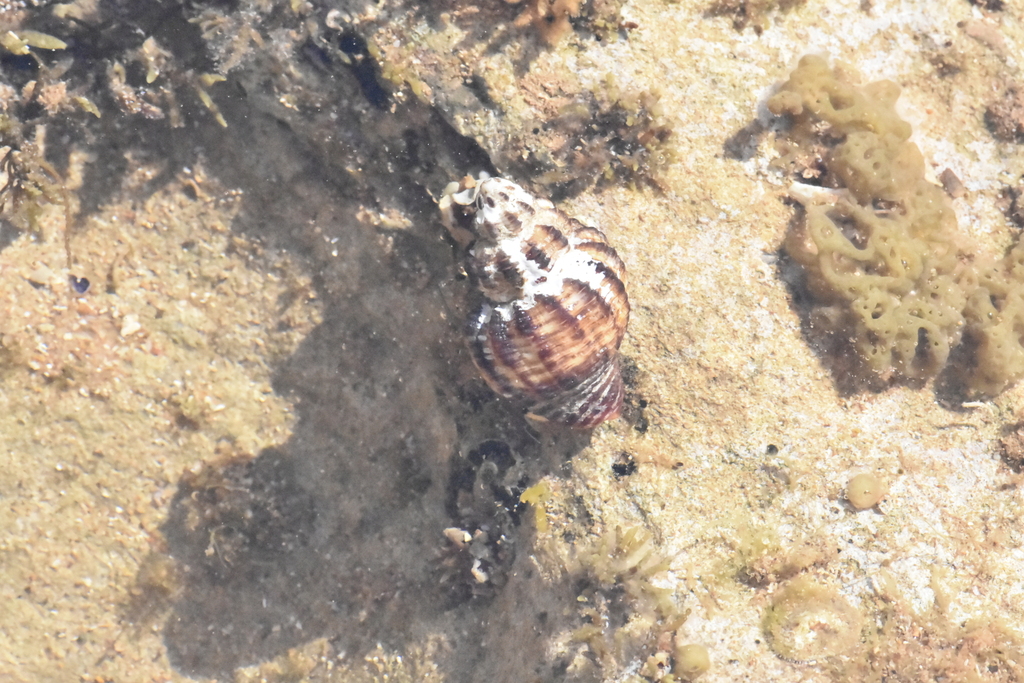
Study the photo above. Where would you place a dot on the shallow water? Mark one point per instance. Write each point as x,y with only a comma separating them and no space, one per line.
254,446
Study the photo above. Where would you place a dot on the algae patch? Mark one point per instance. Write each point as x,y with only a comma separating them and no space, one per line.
625,611
809,621
878,243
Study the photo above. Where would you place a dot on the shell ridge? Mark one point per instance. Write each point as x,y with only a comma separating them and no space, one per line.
482,353
595,401
507,356
542,352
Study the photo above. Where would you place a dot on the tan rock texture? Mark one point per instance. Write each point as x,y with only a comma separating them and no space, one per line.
255,447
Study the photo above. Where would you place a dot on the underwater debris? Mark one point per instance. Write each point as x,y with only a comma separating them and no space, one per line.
952,184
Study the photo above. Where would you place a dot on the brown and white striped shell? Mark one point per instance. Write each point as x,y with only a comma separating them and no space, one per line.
554,307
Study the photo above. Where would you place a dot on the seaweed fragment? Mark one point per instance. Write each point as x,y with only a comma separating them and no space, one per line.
27,181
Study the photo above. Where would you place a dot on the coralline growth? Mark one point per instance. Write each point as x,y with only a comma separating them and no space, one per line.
878,243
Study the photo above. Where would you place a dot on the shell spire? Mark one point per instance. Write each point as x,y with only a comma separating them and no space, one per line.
554,307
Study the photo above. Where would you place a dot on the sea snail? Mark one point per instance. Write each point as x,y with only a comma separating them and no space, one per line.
554,306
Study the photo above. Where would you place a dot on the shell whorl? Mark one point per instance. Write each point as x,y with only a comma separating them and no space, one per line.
554,307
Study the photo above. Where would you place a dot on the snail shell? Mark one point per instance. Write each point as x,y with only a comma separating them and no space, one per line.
554,307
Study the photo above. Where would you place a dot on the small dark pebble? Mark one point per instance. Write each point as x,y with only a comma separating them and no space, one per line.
625,466
953,186
80,285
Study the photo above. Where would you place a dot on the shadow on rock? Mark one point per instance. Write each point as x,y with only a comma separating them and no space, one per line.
341,531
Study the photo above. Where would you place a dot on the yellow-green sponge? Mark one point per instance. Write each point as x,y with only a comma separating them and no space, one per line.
879,243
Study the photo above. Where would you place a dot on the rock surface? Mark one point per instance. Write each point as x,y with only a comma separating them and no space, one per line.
256,449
